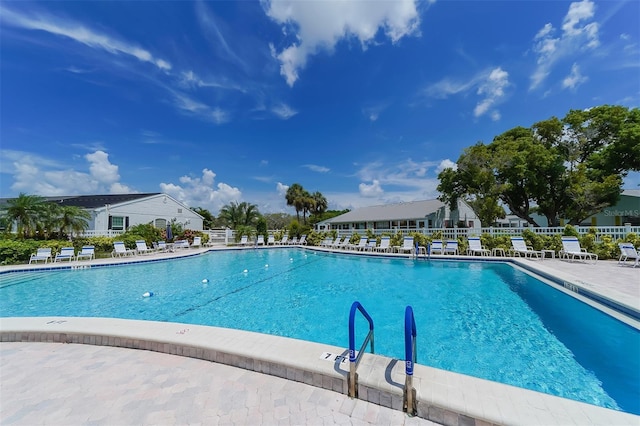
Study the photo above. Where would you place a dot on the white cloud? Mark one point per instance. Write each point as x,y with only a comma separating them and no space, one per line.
490,86
578,34
315,168
493,91
409,178
185,103
284,111
80,34
373,190
321,25
202,191
574,79
446,164
34,174
282,188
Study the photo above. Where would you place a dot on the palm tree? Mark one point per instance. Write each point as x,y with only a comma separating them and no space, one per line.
320,203
73,219
294,196
308,205
23,212
237,214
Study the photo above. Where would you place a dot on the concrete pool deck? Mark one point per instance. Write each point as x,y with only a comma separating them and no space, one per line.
444,397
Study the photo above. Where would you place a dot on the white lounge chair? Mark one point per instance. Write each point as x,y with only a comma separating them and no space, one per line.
66,253
372,244
520,248
303,240
335,242
120,250
475,247
141,247
407,246
628,251
181,244
345,243
326,242
41,254
451,247
436,246
571,250
384,245
162,246
284,240
244,240
271,241
293,241
197,242
87,252
362,244
260,240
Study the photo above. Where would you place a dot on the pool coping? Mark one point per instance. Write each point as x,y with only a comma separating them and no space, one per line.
441,396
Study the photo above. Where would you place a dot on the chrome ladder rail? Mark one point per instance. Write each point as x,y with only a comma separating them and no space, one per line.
353,359
410,355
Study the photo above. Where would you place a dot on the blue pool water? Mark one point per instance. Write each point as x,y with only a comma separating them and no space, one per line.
487,320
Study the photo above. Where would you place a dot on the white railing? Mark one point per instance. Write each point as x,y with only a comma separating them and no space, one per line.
616,232
94,233
219,236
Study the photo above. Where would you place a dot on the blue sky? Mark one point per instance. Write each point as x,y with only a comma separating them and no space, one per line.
220,101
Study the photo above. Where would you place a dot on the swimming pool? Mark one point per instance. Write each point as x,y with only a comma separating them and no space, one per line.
488,320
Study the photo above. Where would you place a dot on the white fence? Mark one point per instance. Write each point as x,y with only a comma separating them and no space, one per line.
616,232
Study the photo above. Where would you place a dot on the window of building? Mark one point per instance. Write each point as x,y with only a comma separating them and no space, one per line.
179,210
160,223
117,223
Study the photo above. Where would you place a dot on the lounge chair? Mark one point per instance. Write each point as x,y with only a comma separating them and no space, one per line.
271,241
66,253
384,245
284,240
197,242
260,240
436,246
181,244
161,246
244,240
407,246
362,244
628,251
520,247
345,243
120,250
334,243
87,252
475,247
451,247
293,241
303,240
326,242
141,247
571,250
372,244
41,254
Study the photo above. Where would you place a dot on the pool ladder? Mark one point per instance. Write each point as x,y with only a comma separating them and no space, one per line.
409,393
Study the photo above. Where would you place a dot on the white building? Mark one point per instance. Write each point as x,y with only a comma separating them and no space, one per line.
414,215
117,212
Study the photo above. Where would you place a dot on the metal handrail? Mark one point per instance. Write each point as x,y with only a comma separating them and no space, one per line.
353,359
410,355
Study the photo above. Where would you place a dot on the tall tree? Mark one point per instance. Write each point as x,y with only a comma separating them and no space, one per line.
295,198
23,212
569,168
237,214
320,203
208,218
73,219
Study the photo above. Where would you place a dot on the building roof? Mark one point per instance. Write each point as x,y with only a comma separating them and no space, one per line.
91,201
631,192
400,211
